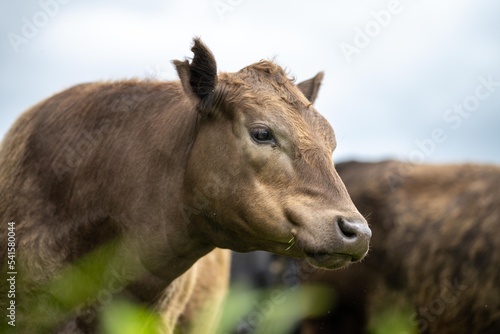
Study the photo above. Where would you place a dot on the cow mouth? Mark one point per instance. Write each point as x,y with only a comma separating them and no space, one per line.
328,260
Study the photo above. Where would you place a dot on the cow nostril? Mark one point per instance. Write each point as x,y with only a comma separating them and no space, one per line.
347,230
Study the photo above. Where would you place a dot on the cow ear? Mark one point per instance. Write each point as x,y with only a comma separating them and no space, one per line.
310,87
199,77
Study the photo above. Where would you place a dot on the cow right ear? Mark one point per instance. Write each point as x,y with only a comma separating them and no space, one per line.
310,88
199,78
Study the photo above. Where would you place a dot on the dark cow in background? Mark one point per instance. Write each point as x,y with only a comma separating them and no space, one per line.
148,177
436,239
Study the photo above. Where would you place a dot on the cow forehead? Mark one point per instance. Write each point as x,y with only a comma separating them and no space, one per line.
321,127
265,88
265,81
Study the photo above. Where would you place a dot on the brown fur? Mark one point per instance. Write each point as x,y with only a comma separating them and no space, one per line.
203,309
192,303
435,240
144,178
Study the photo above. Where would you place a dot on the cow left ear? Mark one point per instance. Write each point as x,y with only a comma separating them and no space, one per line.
310,88
199,78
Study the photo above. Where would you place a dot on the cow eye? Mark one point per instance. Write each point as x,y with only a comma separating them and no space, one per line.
262,135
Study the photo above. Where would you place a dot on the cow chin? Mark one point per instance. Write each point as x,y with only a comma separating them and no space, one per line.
328,261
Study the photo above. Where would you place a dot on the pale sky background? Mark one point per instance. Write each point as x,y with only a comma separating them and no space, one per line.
426,58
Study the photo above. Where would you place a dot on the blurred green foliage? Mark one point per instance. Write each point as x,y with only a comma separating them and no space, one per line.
121,317
391,318
275,310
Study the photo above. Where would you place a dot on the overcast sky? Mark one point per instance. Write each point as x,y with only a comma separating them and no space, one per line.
414,80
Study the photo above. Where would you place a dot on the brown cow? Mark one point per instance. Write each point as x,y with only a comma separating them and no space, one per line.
436,240
148,177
